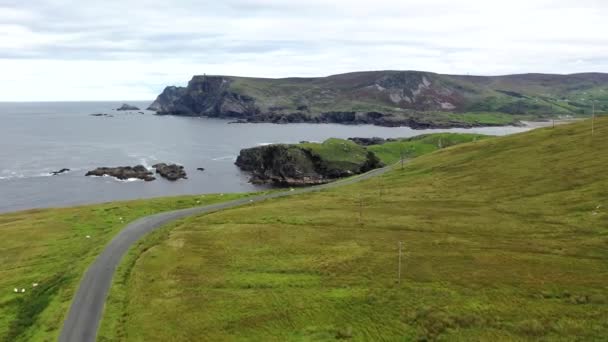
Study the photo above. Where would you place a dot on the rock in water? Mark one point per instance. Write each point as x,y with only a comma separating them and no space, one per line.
123,172
171,172
200,168
126,106
55,173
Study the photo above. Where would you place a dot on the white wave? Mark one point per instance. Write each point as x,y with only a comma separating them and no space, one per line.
144,162
265,144
128,180
46,174
223,158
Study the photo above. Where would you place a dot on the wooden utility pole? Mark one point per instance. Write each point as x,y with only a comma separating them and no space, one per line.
399,270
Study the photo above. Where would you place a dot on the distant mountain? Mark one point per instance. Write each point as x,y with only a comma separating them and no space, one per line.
388,98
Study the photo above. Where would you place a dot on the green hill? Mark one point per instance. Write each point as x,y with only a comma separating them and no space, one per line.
389,98
503,239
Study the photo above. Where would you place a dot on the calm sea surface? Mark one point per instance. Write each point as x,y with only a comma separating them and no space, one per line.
37,138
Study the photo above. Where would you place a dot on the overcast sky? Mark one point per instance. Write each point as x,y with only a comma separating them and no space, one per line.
131,49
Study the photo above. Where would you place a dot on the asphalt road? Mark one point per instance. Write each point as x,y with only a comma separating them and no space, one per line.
88,304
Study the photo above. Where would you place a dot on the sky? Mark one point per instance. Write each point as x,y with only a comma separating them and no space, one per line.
58,50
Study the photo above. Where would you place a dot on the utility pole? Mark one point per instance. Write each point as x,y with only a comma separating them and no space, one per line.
401,153
399,271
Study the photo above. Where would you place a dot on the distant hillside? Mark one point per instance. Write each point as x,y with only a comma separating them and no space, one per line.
388,98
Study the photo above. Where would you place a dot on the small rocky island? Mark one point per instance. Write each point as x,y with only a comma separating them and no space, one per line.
306,163
58,172
126,106
123,172
170,172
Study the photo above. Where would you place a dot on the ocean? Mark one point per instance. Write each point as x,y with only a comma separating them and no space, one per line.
40,137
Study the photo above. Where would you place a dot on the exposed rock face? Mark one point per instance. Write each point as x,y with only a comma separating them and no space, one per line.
292,165
126,106
205,96
406,92
171,172
123,172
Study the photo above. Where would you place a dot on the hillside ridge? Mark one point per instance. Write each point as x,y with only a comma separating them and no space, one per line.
388,98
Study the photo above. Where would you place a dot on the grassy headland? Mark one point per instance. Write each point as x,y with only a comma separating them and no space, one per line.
391,152
504,239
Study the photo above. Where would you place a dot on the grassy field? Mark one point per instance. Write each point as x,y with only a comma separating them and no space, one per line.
53,248
503,239
338,153
391,152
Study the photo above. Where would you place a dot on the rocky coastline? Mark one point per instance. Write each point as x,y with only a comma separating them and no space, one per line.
123,172
420,100
171,172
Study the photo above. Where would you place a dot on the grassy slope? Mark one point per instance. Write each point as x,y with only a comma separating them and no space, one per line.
338,153
391,152
537,96
50,247
505,239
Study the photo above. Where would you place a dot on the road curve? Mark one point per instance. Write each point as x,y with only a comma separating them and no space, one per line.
87,306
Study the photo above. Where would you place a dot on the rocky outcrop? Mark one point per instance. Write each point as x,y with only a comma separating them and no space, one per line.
294,165
123,172
171,172
205,96
126,106
55,173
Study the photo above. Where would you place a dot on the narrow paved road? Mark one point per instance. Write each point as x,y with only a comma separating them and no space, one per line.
87,306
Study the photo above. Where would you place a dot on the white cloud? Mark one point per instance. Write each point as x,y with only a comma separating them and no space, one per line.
131,49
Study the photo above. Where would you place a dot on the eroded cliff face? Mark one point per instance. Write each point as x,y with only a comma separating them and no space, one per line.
204,96
293,165
325,100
